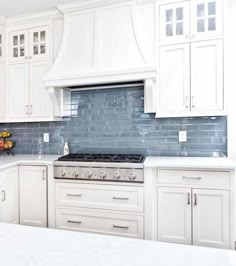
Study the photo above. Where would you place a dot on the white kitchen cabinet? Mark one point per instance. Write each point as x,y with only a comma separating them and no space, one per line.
211,218
29,44
33,195
2,91
40,106
18,103
9,211
207,74
174,23
193,207
174,215
174,91
206,19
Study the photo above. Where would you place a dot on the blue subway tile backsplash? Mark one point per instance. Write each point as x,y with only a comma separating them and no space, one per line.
113,121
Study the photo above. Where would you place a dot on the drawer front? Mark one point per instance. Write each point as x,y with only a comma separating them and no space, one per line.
100,197
203,178
100,222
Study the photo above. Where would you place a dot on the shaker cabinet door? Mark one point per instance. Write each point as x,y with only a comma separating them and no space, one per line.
207,85
33,196
174,215
174,91
18,101
211,218
174,23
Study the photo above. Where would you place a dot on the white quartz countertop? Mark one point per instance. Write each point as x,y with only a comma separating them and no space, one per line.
9,160
189,162
28,246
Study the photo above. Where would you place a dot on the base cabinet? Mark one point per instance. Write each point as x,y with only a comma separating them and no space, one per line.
33,196
9,211
174,215
193,207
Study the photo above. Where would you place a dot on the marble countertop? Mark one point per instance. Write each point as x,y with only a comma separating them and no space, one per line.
189,162
28,246
9,160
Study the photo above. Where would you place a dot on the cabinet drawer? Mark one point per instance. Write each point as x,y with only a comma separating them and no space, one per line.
100,222
100,197
203,178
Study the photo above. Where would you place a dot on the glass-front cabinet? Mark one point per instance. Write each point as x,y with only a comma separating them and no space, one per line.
29,44
190,20
206,18
174,23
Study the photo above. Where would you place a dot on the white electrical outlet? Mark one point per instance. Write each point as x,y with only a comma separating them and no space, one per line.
182,136
46,137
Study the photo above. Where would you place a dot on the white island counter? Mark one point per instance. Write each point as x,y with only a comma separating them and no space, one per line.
28,246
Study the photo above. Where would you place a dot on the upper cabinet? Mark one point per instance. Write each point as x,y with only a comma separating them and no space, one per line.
174,23
30,44
190,20
206,19
191,59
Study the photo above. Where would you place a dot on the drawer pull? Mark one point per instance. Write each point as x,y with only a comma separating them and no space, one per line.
192,178
74,195
74,222
121,227
118,198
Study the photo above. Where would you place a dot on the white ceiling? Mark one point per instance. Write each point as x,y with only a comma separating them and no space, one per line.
10,8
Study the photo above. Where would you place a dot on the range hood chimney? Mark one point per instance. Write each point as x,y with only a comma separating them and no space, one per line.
106,41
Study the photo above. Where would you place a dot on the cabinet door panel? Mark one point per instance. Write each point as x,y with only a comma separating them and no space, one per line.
174,215
39,43
2,91
33,196
211,218
40,105
18,91
206,19
18,46
9,196
174,23
207,76
174,79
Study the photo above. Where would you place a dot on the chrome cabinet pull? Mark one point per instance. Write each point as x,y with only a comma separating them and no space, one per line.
74,222
195,199
31,109
186,102
74,195
193,102
192,178
189,199
3,195
121,227
27,110
118,198
44,175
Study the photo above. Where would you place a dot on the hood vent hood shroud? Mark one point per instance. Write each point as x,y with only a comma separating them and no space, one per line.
107,41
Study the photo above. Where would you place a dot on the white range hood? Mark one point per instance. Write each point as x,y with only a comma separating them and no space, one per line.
106,41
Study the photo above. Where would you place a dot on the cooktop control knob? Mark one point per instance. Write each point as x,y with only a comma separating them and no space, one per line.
132,177
63,173
103,175
75,174
89,174
116,175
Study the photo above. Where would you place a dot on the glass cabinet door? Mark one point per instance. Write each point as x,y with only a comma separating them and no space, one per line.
174,23
206,18
39,43
18,46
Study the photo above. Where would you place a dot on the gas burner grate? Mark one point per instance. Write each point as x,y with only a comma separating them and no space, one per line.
112,158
